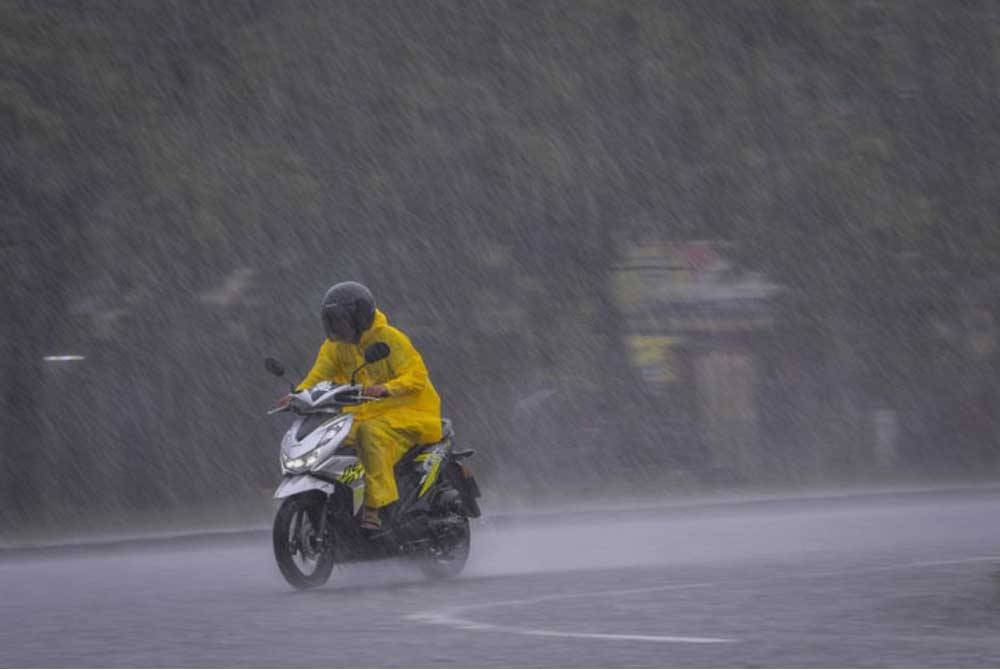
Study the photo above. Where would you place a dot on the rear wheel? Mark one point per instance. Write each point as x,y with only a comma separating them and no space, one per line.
303,559
449,549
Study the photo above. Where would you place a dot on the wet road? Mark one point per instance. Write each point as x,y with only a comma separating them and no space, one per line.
889,580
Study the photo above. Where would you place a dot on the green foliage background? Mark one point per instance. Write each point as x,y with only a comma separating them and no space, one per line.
479,165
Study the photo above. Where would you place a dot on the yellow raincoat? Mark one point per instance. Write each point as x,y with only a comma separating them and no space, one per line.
387,428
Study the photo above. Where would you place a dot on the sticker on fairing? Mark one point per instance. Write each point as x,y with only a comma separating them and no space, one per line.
432,466
358,491
351,473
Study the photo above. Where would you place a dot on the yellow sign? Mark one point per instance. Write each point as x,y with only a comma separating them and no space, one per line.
655,358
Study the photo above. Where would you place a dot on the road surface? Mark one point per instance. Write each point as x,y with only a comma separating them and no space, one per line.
883,580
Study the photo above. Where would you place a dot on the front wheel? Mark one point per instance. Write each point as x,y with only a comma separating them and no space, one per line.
304,561
449,549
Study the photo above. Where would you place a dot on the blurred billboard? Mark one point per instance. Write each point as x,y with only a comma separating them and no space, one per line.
695,328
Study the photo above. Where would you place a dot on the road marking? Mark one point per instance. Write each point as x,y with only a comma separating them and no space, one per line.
932,564
892,567
452,618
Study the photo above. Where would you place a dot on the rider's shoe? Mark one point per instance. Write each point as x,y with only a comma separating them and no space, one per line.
370,519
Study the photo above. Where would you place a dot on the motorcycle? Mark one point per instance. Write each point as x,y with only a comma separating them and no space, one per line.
317,524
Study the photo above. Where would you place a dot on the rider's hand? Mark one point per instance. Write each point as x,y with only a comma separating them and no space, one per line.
283,401
376,391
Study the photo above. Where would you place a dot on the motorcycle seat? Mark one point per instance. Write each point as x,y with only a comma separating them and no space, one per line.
446,434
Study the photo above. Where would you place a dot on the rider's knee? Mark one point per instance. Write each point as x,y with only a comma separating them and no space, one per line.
370,432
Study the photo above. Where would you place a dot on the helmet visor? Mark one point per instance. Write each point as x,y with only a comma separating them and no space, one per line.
337,324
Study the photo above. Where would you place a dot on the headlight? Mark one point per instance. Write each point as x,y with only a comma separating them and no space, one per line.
310,459
301,462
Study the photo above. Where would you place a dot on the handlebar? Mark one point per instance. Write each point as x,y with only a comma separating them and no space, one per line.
349,396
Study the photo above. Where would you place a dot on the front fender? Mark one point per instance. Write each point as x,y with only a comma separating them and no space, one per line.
296,484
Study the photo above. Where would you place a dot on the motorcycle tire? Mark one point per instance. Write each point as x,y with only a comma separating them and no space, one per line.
447,557
302,559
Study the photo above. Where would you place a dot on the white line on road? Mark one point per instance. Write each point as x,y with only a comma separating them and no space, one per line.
932,564
892,567
452,617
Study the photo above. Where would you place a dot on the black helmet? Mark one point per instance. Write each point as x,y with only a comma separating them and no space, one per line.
348,310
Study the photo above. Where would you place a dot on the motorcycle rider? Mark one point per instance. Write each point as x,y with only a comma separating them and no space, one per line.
408,411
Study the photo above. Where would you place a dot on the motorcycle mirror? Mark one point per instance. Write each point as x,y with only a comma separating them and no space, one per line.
376,352
373,352
274,367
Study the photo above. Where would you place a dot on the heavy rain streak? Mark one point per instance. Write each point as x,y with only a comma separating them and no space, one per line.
711,289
